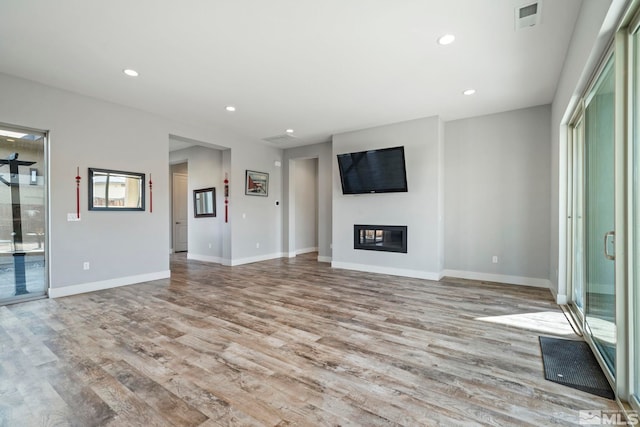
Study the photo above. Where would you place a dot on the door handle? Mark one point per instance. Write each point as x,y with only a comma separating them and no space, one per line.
608,234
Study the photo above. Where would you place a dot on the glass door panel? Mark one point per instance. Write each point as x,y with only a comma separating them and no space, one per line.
22,215
577,270
635,261
599,217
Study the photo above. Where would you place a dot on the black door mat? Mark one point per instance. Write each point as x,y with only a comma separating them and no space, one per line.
572,363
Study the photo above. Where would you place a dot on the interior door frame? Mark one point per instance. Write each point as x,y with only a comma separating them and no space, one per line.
173,220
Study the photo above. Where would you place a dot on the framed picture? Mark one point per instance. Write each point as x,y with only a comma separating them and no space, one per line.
256,183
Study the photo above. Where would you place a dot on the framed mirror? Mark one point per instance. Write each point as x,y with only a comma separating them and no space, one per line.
112,190
204,202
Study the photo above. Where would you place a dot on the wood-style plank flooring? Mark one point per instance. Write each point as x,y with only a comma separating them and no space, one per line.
285,342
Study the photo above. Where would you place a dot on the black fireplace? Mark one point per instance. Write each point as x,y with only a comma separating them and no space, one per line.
389,238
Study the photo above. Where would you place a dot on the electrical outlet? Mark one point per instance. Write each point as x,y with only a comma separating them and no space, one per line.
85,265
494,259
73,217
257,245
209,245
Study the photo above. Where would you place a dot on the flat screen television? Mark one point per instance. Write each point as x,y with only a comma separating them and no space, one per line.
373,171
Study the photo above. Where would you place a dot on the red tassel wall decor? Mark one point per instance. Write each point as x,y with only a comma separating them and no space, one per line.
150,194
78,178
226,197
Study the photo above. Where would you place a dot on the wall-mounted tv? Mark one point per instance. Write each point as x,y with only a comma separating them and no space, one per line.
373,171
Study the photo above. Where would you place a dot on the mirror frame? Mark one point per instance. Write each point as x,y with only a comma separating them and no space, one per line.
196,211
109,172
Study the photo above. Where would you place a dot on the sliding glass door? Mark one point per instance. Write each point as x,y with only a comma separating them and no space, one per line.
634,318
592,219
22,215
599,202
576,223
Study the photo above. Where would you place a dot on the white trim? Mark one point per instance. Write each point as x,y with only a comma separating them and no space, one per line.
324,258
306,250
258,258
387,270
560,299
205,258
290,255
499,278
107,284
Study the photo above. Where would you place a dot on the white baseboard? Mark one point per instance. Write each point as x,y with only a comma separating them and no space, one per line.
387,270
107,284
258,258
324,258
306,250
499,278
205,258
290,254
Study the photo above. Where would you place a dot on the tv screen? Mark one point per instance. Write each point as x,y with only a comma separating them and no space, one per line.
373,171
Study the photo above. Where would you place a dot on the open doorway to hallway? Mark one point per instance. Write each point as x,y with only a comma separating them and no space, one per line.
305,205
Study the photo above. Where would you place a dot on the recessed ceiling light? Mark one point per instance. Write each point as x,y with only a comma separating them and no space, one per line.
131,73
289,131
469,92
230,108
446,39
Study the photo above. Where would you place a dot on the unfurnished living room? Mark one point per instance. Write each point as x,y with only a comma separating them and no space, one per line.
296,212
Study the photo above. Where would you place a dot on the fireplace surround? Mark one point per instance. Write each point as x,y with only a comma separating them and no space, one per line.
387,238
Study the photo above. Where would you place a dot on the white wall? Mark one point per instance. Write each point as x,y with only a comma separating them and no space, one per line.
306,205
205,235
419,209
321,152
130,247
497,196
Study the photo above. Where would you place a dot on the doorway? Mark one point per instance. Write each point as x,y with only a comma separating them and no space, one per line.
179,207
23,218
304,206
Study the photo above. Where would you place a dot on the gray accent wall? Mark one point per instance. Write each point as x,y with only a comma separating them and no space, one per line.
497,196
419,209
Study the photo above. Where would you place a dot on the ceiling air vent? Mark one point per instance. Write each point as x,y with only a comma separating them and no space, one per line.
280,139
528,15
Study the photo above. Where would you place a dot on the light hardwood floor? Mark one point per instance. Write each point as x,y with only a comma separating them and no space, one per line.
284,342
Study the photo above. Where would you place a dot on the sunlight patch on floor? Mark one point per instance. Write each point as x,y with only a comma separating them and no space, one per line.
548,322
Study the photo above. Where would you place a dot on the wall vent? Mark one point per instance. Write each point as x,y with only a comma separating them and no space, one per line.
280,139
528,15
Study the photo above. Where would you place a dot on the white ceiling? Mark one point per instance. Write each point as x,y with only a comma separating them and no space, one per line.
319,67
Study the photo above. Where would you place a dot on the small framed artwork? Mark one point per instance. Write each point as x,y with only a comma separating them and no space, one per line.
256,183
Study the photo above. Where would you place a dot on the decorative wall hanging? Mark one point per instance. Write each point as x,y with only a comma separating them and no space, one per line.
256,183
226,197
150,195
78,178
204,202
114,190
